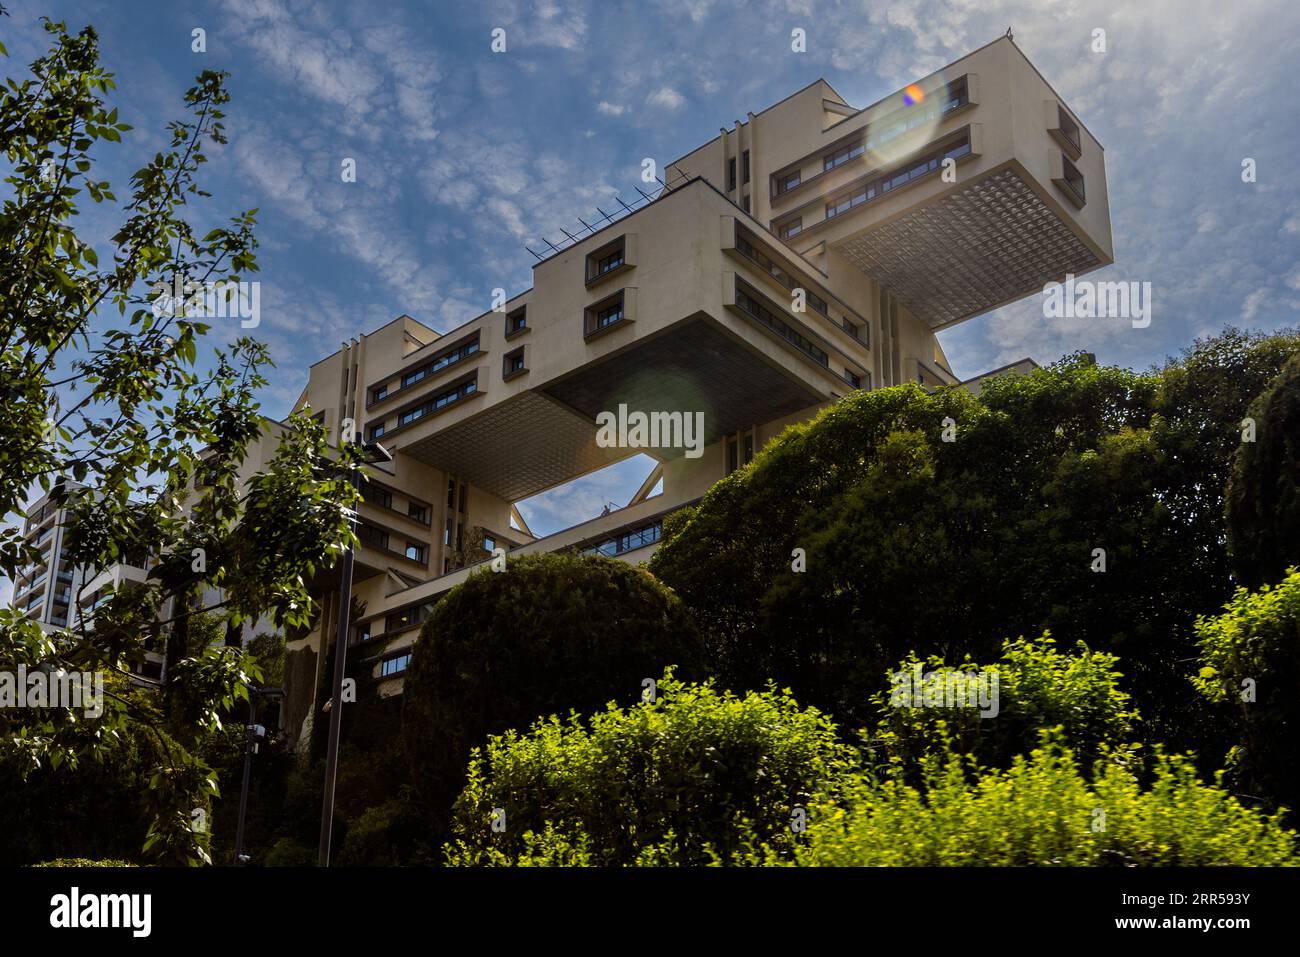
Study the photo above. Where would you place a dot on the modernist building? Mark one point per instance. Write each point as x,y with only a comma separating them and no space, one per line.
808,250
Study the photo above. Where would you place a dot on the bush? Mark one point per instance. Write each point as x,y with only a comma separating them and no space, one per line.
82,862
1250,666
1042,811
550,634
1038,688
697,775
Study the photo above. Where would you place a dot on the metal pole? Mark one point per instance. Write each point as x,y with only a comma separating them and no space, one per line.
248,768
336,704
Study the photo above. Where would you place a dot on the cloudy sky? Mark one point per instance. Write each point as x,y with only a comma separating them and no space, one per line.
464,156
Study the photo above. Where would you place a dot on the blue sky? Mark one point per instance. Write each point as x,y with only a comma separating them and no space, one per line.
464,156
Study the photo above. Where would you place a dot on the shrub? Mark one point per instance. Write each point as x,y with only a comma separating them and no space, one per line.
1038,688
1042,811
693,777
1250,665
550,634
82,862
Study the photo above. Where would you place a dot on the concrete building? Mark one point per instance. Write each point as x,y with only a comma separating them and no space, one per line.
808,250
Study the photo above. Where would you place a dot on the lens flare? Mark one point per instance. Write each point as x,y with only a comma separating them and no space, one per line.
913,95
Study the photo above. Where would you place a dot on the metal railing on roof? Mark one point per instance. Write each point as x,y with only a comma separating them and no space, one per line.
587,230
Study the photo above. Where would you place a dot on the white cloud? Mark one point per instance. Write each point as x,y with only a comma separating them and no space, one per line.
666,97
610,109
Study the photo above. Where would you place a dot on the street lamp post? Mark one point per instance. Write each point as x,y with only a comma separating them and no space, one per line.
255,695
373,452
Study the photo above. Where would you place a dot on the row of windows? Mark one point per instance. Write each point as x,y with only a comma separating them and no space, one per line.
880,185
747,248
778,325
378,495
437,364
395,665
885,130
439,401
628,541
374,537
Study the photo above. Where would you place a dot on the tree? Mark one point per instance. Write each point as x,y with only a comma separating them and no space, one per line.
1250,666
117,420
1263,496
1072,500
549,634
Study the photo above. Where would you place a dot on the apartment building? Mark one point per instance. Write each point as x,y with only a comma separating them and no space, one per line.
808,250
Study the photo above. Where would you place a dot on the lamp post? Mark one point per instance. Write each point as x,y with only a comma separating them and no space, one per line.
255,695
372,452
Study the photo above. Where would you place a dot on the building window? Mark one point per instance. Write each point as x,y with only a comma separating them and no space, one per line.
517,321
512,364
852,378
415,552
849,327
439,401
603,314
744,204
607,259
378,496
790,228
749,304
843,155
877,186
787,181
744,167
627,541
376,431
489,544
394,665
1073,179
1068,129
361,634
407,618
418,512
731,174
733,454
455,354
746,246
749,447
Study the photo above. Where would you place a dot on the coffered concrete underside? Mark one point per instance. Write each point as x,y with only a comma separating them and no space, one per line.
694,366
993,242
517,447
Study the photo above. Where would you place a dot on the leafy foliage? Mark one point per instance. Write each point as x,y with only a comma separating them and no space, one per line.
691,778
1250,665
1038,688
1263,495
549,634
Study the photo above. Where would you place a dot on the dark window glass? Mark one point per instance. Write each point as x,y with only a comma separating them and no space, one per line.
731,173
744,167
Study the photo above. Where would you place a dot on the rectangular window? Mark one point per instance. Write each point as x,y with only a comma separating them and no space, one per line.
1068,128
744,204
787,181
627,541
842,156
790,228
852,378
395,665
376,431
415,552
731,174
378,496
607,259
1073,178
512,364
744,166
879,185
749,447
603,314
516,321
418,512
489,544
733,454
380,394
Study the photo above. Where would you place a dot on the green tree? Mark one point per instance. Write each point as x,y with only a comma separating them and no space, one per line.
694,777
1250,665
107,408
1263,496
549,634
